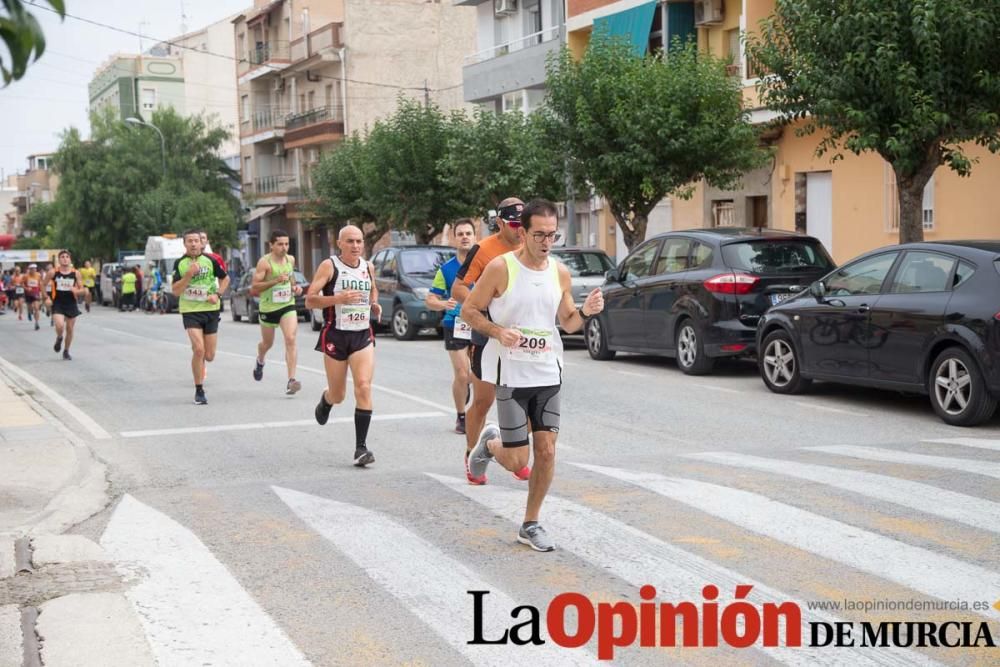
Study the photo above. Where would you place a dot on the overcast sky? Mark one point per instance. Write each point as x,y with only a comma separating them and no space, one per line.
52,96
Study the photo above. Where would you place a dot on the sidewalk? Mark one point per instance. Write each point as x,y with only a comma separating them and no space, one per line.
62,601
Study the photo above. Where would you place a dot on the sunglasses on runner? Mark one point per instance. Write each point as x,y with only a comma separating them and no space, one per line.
511,214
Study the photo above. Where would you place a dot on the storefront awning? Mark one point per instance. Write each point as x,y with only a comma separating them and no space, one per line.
633,24
261,211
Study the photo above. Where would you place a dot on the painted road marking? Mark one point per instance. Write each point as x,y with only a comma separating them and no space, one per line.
826,408
430,584
972,511
639,559
194,612
970,442
318,371
922,570
987,468
91,426
217,428
714,387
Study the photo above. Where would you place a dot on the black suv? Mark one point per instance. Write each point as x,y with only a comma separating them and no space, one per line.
698,294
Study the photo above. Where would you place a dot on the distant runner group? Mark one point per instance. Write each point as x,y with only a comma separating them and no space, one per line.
504,301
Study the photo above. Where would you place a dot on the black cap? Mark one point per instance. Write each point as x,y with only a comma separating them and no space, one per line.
511,213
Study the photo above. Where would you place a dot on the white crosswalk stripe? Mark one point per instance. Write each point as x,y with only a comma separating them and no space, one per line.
922,570
431,584
639,559
891,456
192,609
975,512
978,443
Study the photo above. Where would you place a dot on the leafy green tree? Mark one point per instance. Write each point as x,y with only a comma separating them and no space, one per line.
407,183
40,222
641,128
113,191
912,80
22,36
340,183
495,156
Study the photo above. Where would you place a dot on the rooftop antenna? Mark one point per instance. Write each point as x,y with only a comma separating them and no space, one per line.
141,23
184,27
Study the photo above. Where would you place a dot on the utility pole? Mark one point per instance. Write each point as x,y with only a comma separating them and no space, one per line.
427,95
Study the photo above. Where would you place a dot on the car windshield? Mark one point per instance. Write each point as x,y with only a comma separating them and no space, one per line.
777,256
300,278
424,261
585,263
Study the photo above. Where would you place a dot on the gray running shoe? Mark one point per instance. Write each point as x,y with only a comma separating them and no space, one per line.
480,457
293,387
363,456
535,537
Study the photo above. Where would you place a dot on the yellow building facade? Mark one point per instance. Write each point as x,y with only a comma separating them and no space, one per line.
850,204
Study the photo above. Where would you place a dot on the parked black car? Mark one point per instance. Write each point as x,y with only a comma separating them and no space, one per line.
242,304
918,317
698,294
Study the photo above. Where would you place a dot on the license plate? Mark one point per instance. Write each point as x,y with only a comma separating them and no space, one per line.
778,298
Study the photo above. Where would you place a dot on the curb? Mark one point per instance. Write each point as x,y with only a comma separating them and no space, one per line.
86,492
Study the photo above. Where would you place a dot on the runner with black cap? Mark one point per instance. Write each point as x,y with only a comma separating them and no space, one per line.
506,240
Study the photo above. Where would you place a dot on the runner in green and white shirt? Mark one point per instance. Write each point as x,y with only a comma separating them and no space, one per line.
274,281
198,281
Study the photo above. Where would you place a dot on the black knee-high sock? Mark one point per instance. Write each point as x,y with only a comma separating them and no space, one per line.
362,420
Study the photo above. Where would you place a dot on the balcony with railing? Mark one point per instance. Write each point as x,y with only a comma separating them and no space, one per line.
263,58
319,42
274,185
510,66
265,123
316,126
266,52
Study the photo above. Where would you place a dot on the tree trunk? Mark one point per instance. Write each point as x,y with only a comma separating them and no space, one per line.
373,232
636,233
910,189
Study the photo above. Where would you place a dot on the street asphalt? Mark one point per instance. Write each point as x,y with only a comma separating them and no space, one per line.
249,538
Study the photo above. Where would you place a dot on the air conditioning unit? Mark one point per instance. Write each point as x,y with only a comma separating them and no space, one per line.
708,12
504,7
279,149
279,85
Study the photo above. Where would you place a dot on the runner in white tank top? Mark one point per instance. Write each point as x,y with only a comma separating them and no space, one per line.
345,289
524,291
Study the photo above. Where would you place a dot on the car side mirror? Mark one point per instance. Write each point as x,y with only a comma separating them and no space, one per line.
611,276
818,290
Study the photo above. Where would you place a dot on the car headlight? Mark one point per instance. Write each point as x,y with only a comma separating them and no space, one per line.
421,292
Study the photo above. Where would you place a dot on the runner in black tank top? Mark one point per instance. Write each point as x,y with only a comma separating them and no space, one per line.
67,286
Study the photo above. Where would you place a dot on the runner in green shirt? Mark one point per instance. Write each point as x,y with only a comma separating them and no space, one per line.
128,290
195,285
274,281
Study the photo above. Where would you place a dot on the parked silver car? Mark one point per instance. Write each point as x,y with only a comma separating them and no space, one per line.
587,267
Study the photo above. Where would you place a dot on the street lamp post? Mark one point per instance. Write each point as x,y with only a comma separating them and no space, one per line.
163,144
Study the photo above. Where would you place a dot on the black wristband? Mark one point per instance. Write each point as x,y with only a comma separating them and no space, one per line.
583,315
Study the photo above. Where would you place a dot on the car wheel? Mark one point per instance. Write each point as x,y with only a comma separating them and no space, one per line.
402,328
958,391
691,357
252,314
232,309
779,365
596,340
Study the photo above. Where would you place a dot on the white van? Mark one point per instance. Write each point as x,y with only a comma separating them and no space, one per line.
163,251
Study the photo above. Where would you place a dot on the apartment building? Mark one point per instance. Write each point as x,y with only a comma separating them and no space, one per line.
514,38
22,192
136,85
851,205
310,73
